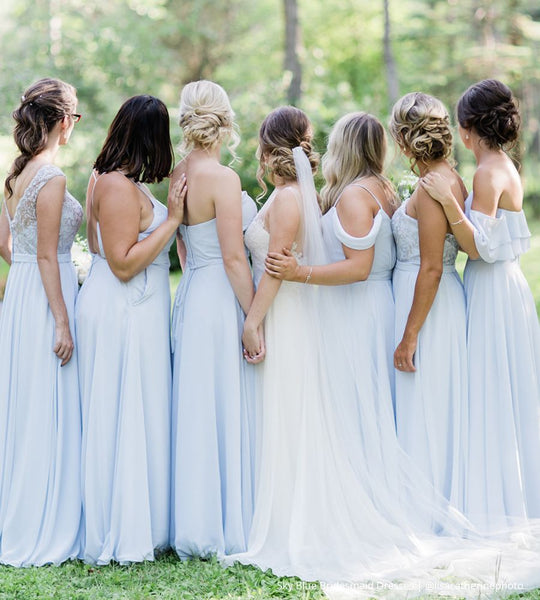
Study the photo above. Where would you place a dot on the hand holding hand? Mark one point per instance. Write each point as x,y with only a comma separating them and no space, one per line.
253,341
63,344
257,358
404,355
282,266
175,200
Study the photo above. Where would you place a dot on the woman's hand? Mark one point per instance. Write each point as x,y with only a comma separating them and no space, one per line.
282,266
257,358
253,341
404,355
175,200
438,187
63,344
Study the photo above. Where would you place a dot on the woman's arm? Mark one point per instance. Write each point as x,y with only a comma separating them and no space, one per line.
432,228
485,200
49,205
228,205
5,235
356,215
119,216
283,225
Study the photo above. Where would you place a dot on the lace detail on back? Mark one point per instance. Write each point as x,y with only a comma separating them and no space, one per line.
24,223
405,230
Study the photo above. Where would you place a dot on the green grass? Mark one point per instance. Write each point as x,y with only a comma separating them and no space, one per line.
166,579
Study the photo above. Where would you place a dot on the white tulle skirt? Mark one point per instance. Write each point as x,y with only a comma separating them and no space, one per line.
317,517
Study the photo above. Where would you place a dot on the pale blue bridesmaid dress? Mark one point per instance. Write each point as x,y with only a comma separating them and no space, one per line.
503,339
40,421
432,403
125,377
213,413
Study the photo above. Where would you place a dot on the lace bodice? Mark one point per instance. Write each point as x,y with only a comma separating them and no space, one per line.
405,230
23,225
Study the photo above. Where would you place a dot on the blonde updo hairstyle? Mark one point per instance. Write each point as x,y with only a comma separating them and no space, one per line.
206,118
420,125
285,128
356,149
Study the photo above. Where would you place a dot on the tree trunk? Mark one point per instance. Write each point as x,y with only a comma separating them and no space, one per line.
389,62
292,65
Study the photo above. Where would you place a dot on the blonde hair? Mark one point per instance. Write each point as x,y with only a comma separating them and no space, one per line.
285,128
420,125
356,148
206,117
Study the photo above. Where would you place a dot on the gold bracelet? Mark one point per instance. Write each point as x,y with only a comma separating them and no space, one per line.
309,275
457,222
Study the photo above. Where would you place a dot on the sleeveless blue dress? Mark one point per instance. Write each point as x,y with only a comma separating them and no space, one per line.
40,420
125,378
432,403
213,404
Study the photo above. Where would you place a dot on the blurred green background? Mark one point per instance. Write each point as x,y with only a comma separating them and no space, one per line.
328,57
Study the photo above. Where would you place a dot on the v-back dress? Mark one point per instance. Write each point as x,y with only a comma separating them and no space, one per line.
40,422
503,339
213,418
432,403
125,378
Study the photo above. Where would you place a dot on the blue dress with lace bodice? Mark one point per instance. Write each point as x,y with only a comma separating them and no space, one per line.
40,431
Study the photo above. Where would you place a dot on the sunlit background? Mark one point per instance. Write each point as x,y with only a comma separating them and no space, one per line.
328,57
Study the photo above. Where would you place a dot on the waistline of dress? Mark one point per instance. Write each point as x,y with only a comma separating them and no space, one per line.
32,258
410,266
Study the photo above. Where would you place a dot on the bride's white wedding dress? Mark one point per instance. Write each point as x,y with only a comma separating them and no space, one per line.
315,516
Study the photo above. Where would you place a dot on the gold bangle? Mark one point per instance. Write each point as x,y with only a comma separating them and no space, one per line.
308,277
457,222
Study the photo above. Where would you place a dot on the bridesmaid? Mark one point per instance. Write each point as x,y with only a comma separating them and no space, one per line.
123,332
40,500
502,325
430,358
358,203
212,412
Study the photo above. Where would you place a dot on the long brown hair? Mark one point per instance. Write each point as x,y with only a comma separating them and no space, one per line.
44,103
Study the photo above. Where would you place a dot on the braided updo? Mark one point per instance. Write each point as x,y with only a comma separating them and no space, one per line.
489,108
285,128
420,125
43,104
206,117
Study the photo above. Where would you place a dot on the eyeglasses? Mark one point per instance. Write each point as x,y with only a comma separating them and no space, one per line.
76,117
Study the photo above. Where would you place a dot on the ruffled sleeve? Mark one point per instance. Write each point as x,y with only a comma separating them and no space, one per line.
503,237
357,243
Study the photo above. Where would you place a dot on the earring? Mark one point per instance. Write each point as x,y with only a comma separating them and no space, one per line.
466,136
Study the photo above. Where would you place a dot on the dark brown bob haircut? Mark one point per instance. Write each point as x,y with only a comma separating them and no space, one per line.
138,142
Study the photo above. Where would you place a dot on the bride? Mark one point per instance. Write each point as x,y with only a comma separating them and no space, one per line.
314,516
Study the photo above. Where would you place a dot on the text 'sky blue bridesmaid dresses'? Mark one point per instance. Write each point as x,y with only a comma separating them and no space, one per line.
432,403
503,340
125,375
40,421
213,420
